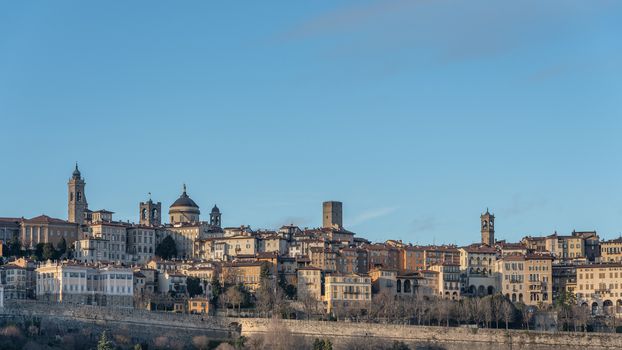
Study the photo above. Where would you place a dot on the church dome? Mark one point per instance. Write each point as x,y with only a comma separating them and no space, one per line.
215,209
184,209
184,201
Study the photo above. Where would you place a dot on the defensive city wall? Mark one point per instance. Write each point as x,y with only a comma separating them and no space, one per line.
145,326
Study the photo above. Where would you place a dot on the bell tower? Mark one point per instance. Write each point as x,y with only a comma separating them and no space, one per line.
488,228
77,204
150,213
215,216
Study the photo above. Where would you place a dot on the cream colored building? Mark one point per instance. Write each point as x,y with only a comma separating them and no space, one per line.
310,282
477,265
599,286
347,294
84,284
225,248
44,229
611,251
116,235
527,278
246,273
383,281
448,280
141,243
92,250
565,247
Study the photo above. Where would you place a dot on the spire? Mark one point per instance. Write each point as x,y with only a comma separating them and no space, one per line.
149,196
76,172
184,189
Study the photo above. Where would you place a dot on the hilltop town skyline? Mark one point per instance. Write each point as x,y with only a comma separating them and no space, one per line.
312,223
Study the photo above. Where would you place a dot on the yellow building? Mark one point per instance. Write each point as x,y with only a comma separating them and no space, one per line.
347,294
448,280
565,247
477,266
527,278
198,306
611,251
384,280
599,286
246,273
309,282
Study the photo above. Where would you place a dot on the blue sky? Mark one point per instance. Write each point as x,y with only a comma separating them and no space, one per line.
416,114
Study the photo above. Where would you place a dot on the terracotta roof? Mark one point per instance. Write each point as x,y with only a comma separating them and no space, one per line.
46,220
12,220
474,248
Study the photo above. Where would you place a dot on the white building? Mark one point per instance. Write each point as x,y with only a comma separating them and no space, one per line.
92,250
67,282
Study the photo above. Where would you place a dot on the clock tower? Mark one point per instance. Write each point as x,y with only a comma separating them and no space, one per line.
488,228
77,204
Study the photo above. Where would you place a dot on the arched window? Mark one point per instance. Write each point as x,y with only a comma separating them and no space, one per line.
407,288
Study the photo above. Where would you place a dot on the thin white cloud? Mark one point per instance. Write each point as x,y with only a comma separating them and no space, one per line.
371,214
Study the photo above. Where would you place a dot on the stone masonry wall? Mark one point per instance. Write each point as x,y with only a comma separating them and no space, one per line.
147,325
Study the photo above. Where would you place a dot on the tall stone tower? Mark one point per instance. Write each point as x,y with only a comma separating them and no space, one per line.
332,215
77,204
150,213
488,228
215,217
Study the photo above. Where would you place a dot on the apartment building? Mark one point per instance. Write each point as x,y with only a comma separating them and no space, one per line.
347,294
599,286
527,278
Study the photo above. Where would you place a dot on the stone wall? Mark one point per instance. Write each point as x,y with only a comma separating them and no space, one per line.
141,325
453,338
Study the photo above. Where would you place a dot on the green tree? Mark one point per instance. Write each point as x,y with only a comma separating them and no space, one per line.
167,248
48,252
194,286
15,247
104,343
62,247
216,288
39,251
265,273
289,289
322,344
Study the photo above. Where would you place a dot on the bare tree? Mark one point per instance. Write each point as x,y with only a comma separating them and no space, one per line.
445,310
526,314
200,342
419,307
581,315
279,337
264,298
309,303
487,310
255,342
476,309
233,296
497,304
507,312
463,310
